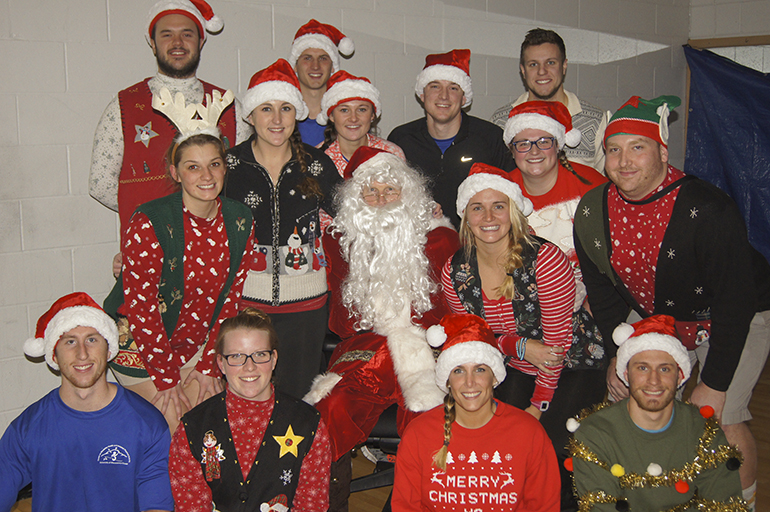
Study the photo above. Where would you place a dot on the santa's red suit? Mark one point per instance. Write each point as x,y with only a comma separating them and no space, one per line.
369,372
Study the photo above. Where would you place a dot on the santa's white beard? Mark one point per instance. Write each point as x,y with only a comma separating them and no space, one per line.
388,278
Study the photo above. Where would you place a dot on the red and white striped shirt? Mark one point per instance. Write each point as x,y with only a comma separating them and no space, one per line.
556,295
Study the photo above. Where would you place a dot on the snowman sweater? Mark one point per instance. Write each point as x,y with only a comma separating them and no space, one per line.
289,261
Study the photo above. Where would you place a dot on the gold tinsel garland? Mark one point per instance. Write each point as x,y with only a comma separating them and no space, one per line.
704,459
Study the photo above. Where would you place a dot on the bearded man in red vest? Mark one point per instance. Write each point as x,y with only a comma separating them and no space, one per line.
128,159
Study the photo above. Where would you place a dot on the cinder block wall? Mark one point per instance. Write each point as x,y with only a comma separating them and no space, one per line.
721,19
63,60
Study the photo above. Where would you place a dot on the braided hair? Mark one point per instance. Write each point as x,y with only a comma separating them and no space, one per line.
439,459
308,186
567,165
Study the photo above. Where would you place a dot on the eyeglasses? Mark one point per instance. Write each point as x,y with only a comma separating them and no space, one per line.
373,195
259,357
524,146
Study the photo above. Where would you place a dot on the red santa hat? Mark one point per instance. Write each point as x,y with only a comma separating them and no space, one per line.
482,177
548,116
197,10
315,34
343,87
276,82
367,159
454,66
464,339
73,310
657,332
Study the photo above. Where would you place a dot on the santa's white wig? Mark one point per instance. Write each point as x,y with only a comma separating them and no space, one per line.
384,246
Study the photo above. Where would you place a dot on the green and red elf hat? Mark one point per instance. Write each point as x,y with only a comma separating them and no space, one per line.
648,118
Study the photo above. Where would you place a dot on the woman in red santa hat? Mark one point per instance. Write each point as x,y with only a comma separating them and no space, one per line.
524,287
536,133
286,183
474,449
351,108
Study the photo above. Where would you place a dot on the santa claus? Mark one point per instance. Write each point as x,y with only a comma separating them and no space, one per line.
385,254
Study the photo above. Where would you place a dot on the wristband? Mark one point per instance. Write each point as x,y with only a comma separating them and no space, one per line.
521,348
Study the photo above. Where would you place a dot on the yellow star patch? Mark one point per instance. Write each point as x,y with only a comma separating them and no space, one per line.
288,442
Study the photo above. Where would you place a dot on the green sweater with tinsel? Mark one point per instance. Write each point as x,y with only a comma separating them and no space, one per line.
692,450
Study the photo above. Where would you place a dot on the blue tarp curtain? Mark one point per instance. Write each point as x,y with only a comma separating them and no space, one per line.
728,136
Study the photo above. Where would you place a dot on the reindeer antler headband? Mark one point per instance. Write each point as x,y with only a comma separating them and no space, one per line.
195,118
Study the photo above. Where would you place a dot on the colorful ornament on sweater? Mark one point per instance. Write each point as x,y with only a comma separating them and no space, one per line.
212,454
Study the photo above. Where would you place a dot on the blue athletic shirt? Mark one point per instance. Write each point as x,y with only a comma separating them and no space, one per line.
114,459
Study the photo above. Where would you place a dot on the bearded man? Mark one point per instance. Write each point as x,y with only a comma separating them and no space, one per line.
128,159
385,253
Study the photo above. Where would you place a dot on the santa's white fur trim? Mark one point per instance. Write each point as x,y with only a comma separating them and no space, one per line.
481,181
652,341
66,320
274,90
441,222
321,42
321,387
345,90
530,121
375,164
444,72
414,366
477,352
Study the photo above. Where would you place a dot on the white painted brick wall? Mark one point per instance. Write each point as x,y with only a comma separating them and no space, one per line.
63,60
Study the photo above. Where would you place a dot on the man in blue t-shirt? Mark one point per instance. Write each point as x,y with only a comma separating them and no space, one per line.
88,445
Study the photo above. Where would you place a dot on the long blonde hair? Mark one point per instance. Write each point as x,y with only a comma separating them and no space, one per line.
517,237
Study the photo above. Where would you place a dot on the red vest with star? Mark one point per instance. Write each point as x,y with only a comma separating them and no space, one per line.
147,135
